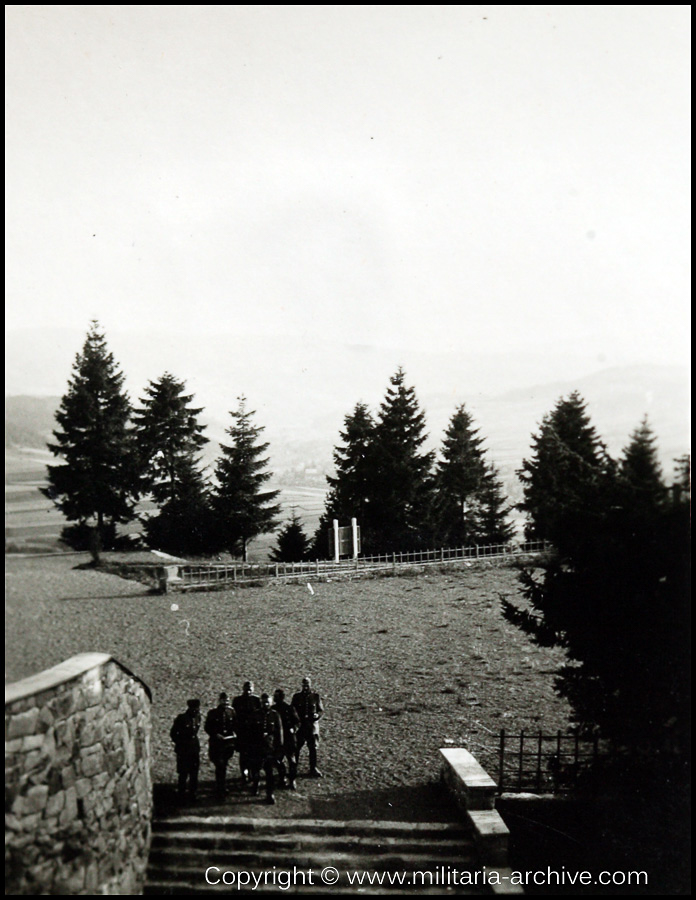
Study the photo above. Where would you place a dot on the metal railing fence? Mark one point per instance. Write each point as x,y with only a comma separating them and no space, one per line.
548,763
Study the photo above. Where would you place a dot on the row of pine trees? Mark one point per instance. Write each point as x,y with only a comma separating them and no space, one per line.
115,454
404,497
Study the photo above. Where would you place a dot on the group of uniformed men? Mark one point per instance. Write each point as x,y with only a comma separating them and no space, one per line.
267,737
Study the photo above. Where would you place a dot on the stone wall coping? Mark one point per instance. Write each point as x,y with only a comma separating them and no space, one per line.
467,768
68,670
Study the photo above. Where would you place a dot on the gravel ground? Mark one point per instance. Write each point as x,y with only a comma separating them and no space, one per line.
405,665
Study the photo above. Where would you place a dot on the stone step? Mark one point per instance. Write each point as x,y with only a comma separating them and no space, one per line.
181,882
184,847
231,842
390,862
171,888
308,826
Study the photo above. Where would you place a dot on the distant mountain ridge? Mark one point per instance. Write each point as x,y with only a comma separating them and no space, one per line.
29,421
617,399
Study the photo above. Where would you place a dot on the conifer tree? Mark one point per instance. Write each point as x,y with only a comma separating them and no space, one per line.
169,438
293,544
97,485
458,481
351,488
681,487
567,461
491,523
401,495
242,508
185,525
614,595
640,468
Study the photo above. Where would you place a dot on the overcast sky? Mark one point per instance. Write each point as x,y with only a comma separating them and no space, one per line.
451,178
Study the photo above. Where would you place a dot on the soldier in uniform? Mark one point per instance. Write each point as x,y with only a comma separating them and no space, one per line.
245,705
220,728
310,709
265,745
291,722
184,734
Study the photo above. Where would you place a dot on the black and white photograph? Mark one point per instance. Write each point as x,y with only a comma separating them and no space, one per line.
347,449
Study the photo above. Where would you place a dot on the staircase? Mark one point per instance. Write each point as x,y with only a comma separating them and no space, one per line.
281,856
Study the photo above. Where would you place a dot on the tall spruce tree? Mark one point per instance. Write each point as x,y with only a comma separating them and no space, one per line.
97,485
242,508
459,479
640,468
169,438
615,596
351,488
567,460
352,484
402,479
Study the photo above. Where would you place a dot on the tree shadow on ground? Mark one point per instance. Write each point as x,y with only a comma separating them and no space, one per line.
429,802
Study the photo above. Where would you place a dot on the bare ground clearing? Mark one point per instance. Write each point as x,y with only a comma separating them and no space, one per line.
405,665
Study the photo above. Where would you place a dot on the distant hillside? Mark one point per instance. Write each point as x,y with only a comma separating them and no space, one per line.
29,421
617,399
301,457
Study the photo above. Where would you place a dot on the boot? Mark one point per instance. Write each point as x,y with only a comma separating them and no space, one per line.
313,771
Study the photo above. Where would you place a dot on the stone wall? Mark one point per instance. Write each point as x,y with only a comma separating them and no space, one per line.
473,790
78,790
